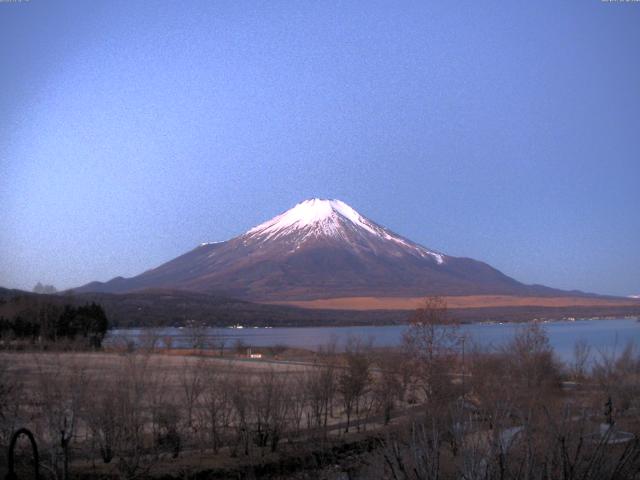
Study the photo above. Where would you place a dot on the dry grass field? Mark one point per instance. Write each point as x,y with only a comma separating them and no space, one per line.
33,367
455,302
169,411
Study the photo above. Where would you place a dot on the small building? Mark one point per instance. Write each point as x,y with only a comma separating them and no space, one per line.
250,354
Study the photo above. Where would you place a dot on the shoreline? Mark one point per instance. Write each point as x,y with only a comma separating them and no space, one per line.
391,324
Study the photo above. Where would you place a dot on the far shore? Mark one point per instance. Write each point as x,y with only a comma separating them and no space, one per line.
478,322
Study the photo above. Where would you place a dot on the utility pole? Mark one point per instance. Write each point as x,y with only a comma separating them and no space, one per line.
608,411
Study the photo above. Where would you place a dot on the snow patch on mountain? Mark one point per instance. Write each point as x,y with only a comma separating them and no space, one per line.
204,244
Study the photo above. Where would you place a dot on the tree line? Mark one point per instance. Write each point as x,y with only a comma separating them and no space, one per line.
26,322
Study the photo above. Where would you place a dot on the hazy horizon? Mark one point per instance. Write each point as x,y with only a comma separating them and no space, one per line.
132,132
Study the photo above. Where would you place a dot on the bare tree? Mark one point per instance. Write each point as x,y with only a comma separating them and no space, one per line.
162,409
149,340
99,416
168,342
432,331
60,396
354,379
619,378
416,456
269,409
192,383
321,382
216,406
432,342
493,394
133,379
532,370
241,415
581,355
196,335
167,428
298,401
390,384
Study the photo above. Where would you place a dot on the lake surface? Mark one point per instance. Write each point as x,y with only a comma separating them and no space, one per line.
604,336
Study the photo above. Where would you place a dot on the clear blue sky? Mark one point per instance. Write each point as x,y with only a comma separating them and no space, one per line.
508,132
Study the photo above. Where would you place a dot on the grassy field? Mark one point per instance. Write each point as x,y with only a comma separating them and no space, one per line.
458,302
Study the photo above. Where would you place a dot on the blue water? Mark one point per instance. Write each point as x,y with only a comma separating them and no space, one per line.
604,336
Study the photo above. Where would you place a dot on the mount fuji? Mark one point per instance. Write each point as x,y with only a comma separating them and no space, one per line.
322,249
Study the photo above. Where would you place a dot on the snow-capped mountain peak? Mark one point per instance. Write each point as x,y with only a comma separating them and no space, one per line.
310,213
316,218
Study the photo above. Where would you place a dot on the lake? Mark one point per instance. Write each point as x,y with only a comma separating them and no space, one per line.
604,336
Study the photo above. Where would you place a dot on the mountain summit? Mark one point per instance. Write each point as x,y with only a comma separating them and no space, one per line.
321,249
336,222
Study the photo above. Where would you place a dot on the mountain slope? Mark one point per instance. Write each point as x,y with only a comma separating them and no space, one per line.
321,249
